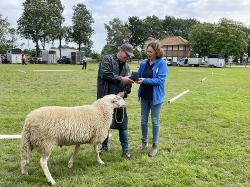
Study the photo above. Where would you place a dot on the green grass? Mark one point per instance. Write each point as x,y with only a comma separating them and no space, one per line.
204,137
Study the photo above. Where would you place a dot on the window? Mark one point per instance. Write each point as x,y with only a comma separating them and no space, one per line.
175,47
170,48
16,51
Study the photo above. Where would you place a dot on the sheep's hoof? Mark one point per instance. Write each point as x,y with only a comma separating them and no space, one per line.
70,165
101,162
25,173
51,183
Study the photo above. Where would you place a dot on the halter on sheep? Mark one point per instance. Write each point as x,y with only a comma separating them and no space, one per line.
47,127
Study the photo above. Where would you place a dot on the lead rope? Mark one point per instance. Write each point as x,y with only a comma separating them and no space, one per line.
122,116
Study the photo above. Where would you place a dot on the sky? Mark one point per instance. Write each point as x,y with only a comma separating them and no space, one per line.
104,11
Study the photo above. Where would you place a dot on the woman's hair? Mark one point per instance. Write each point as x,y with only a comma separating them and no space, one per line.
155,44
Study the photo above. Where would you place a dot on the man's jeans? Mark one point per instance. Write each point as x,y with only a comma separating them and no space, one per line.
123,135
146,106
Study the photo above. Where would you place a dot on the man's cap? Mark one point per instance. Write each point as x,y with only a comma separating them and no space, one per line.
128,48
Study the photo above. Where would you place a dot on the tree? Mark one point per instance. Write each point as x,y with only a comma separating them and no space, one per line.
87,49
154,27
4,31
178,27
248,43
40,20
227,37
60,35
109,49
8,36
96,56
169,25
230,38
12,38
117,34
201,38
55,28
137,30
31,22
138,54
81,29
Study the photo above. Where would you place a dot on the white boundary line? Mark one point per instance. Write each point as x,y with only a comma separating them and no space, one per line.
21,71
54,70
185,70
178,96
12,136
202,80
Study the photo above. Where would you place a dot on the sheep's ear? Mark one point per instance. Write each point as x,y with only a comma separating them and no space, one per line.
116,99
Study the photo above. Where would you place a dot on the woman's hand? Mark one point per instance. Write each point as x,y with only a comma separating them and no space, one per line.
140,81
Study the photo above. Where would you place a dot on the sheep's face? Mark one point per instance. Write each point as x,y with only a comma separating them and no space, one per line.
115,100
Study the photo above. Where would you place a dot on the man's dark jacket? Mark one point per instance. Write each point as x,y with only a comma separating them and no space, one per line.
109,82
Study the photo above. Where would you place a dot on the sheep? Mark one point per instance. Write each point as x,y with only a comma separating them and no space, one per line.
47,127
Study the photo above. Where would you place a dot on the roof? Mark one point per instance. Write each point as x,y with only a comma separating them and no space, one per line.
174,40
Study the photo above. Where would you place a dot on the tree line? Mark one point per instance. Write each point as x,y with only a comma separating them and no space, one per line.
136,31
226,37
42,22
7,35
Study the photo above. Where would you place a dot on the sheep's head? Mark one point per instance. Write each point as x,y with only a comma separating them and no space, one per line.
115,100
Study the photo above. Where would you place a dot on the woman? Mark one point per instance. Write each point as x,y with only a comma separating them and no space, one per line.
152,72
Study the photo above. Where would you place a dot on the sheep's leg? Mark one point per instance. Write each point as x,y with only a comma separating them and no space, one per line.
43,162
99,160
25,152
73,156
24,169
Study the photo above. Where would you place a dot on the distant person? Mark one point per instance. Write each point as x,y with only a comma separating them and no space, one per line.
84,64
23,59
113,78
152,75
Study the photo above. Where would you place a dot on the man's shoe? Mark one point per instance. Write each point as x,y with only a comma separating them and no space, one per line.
126,155
153,151
143,145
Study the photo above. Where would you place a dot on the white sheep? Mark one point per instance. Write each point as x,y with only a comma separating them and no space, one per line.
47,127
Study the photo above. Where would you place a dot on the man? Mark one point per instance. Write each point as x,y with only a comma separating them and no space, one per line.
113,78
84,64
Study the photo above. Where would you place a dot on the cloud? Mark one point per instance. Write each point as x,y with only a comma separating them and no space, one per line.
104,11
12,9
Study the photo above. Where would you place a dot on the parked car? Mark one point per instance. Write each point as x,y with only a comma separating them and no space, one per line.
167,61
182,62
64,60
35,60
4,59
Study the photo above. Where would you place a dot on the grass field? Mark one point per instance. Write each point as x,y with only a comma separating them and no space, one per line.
204,137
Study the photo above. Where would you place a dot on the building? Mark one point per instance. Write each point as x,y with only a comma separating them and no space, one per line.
68,55
65,52
175,48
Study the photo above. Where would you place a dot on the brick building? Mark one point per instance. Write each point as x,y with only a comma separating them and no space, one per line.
175,48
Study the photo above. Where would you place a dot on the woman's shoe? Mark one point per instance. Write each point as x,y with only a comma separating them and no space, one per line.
153,151
143,145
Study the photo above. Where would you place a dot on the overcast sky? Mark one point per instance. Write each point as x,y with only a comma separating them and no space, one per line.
106,10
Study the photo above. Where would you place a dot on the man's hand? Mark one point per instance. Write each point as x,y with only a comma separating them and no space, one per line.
127,80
